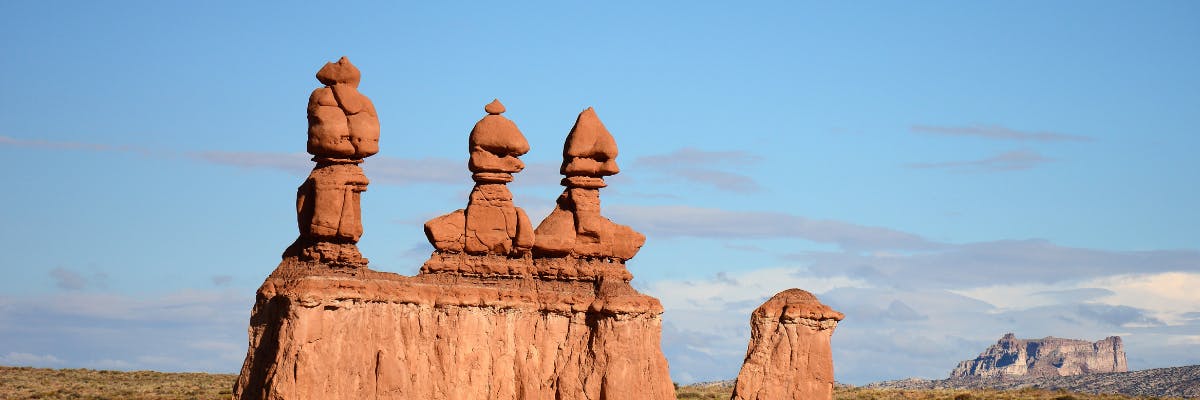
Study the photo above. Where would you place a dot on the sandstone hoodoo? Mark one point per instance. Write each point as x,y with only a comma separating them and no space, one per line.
789,355
491,224
343,129
1050,356
489,316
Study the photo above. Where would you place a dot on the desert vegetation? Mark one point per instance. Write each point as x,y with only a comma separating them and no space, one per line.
20,383
852,393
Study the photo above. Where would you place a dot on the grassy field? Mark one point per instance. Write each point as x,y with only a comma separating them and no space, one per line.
36,383
19,383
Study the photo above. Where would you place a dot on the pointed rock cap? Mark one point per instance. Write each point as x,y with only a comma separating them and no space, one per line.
589,138
497,134
494,108
340,72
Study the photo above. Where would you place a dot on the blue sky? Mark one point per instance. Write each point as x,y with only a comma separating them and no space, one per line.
943,172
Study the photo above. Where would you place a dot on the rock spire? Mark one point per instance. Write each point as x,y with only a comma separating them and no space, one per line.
343,129
575,228
491,225
789,354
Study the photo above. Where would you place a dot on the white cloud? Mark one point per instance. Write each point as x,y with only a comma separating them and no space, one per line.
697,166
1167,296
1014,160
186,330
688,221
29,360
999,132
738,287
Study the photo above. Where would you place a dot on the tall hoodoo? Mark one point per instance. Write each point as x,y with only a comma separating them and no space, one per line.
575,235
343,129
491,225
789,354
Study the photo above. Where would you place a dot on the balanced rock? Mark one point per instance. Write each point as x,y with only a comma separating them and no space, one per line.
491,225
342,130
481,321
789,354
575,227
1049,356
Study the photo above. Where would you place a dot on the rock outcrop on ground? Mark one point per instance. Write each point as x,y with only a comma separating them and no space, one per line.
1160,382
488,317
789,355
1048,356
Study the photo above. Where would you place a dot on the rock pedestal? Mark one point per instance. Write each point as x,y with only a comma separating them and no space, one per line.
789,355
483,319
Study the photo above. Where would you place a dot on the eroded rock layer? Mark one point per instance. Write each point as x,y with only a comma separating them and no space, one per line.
321,333
1049,356
789,354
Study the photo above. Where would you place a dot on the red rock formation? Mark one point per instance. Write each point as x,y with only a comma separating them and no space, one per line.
575,227
342,130
481,320
789,355
491,224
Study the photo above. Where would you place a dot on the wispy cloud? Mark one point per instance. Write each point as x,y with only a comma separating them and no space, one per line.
701,167
1007,262
694,157
187,330
998,132
380,169
68,279
69,145
1008,161
30,360
687,221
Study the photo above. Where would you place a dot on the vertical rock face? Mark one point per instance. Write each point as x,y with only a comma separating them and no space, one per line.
789,355
1049,356
483,320
343,129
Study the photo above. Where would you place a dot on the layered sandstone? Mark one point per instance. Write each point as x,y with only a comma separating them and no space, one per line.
789,354
322,333
485,318
1049,356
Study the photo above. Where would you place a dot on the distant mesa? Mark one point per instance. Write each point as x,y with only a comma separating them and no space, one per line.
1049,356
